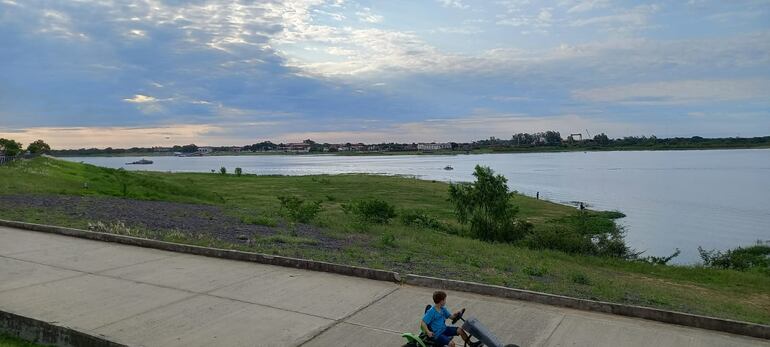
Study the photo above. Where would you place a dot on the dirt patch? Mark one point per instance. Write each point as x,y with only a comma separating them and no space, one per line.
162,216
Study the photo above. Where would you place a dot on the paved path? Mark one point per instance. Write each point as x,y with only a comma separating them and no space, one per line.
146,297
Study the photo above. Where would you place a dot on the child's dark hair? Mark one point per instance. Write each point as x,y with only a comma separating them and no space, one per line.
438,296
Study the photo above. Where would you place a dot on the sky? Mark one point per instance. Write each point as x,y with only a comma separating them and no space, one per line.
126,73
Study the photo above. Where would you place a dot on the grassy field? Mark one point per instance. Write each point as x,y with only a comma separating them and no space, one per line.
434,252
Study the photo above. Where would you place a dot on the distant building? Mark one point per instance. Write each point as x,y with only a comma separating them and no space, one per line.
299,147
433,146
235,149
205,150
162,149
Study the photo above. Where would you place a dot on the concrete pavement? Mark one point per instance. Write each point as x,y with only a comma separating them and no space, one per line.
147,297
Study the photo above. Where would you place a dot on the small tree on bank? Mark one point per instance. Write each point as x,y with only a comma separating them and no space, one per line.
486,206
38,147
10,147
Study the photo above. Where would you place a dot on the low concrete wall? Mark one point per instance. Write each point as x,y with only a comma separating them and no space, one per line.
690,320
703,322
380,275
45,333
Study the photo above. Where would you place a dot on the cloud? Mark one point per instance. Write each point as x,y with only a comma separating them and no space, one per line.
588,5
624,20
366,15
118,137
679,92
453,3
139,98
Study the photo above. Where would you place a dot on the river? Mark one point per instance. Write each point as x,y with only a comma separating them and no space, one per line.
716,199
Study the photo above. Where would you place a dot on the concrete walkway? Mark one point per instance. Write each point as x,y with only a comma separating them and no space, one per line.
147,297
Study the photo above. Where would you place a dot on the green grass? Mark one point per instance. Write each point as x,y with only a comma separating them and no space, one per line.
13,341
425,251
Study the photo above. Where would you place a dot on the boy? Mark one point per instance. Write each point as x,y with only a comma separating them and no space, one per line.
435,318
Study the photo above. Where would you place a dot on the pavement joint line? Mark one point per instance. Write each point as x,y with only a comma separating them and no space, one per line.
43,283
545,342
270,306
147,311
342,320
90,272
372,327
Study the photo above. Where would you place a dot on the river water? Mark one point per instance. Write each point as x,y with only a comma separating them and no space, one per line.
673,199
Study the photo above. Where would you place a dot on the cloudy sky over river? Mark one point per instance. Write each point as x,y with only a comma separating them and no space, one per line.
150,72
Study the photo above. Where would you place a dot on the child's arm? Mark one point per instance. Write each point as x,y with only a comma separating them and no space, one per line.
425,329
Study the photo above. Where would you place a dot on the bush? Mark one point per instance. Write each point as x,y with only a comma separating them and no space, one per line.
223,170
757,256
580,278
238,171
535,271
299,210
373,211
658,260
584,232
420,219
486,206
387,241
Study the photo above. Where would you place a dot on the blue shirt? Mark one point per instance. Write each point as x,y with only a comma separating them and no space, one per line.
435,319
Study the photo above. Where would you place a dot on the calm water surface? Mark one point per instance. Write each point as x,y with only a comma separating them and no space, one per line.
715,199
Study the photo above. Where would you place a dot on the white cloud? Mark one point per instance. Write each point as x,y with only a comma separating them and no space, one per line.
366,15
679,92
453,3
622,21
139,99
588,5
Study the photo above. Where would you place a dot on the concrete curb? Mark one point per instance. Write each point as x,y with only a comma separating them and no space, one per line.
671,317
46,333
347,270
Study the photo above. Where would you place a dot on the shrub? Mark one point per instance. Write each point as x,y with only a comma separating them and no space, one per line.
486,206
374,210
299,210
387,240
580,278
584,232
659,260
223,170
534,271
420,219
756,256
238,171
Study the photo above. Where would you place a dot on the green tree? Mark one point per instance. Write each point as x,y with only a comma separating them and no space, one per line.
223,170
38,146
602,139
486,206
10,147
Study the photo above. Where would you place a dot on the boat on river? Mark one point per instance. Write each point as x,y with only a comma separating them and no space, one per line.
140,162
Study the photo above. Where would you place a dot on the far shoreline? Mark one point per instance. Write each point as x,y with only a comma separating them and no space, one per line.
429,153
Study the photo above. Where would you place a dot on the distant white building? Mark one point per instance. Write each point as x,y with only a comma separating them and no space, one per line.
300,147
433,146
204,150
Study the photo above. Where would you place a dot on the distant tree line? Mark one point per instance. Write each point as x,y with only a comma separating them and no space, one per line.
553,140
546,141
